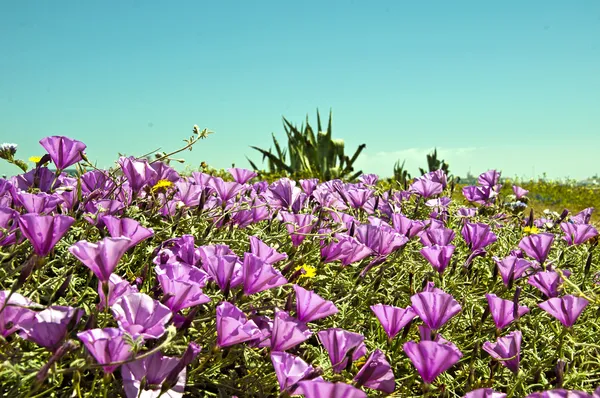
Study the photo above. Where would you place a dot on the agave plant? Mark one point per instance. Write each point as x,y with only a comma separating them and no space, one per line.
316,155
433,164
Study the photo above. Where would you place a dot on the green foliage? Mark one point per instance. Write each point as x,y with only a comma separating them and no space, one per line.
433,164
401,175
556,196
310,155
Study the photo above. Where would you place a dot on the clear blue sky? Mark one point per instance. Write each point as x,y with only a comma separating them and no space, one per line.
512,85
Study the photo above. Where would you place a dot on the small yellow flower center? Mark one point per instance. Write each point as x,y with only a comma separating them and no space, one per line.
35,159
531,230
162,184
309,272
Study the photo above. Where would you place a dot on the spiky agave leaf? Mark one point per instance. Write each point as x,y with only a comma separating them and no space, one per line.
311,155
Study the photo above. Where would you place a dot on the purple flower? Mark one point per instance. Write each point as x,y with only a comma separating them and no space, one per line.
178,251
583,217
38,202
8,226
406,226
233,327
548,282
42,178
512,268
48,328
503,311
259,276
339,343
343,219
382,240
576,234
183,272
102,257
438,176
324,389
431,358
44,232
347,249
128,228
505,348
566,309
207,252
478,236
438,256
357,197
100,208
285,194
484,393
222,269
489,179
287,332
63,151
537,246
481,195
140,315
163,172
117,287
106,345
241,176
439,204
425,334
265,325
189,194
467,212
290,370
265,252
181,293
226,190
298,225
14,312
138,172
369,179
393,319
519,192
96,180
435,309
376,373
437,234
153,370
310,306
309,185
426,188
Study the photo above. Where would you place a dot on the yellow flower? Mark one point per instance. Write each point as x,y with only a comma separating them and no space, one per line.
162,184
531,230
35,159
309,272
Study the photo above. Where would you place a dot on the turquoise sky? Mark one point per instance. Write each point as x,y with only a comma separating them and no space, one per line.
512,85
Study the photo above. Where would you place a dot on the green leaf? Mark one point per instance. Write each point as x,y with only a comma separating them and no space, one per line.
280,165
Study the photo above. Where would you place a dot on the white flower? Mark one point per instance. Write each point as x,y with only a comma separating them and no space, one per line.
7,151
9,147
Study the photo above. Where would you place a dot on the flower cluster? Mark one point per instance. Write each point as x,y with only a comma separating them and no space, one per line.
170,284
